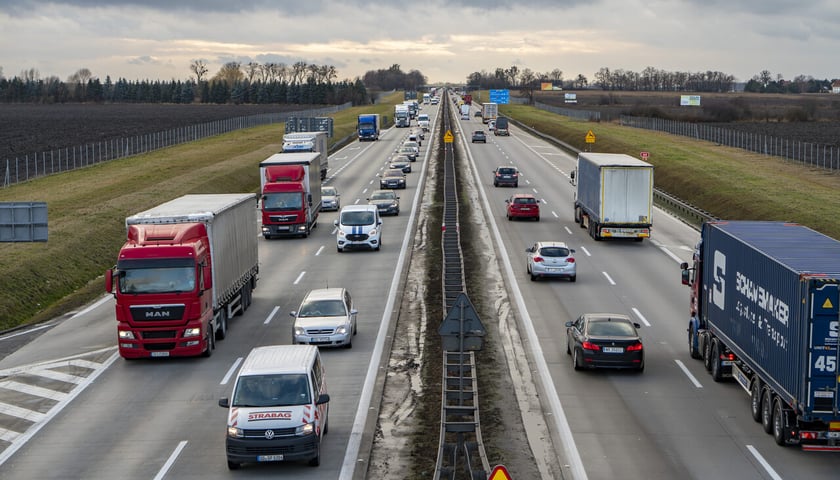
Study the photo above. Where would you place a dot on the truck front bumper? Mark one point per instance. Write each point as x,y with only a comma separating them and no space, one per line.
272,230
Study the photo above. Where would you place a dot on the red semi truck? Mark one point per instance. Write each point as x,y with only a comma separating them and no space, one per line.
186,268
291,194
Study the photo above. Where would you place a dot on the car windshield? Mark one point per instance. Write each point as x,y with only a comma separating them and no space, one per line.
357,218
382,196
394,173
271,390
524,200
322,308
328,192
506,171
554,252
611,328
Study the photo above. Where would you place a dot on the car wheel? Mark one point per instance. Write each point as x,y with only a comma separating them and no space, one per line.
233,465
568,349
767,411
349,345
573,278
755,400
533,278
516,185
641,368
339,249
538,218
495,184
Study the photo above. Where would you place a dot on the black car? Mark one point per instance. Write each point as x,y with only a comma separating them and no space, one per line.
479,136
506,176
605,340
392,178
386,201
401,162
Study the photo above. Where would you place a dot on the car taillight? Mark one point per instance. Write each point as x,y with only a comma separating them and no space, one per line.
591,346
570,260
634,348
538,259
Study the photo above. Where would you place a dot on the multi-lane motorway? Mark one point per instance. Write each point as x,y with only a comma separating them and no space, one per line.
71,408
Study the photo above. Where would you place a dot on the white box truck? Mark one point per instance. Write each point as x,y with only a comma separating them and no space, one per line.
614,196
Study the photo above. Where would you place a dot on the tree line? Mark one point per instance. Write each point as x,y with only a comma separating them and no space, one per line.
235,83
649,79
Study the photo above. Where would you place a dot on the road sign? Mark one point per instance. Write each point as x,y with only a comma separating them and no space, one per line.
502,97
499,473
590,137
447,137
645,155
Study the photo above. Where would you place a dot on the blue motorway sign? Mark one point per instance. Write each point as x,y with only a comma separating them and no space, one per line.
500,96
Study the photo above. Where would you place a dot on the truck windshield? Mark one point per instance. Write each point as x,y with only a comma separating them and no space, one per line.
283,201
157,280
271,390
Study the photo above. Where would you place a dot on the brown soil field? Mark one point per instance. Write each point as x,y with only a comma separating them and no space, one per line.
27,128
813,118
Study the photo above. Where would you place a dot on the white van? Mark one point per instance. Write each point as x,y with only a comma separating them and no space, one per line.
279,410
358,226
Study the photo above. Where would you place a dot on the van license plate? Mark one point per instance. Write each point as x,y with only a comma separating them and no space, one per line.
160,354
269,458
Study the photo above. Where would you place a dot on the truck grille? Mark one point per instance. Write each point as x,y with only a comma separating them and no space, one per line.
157,313
159,346
283,218
159,334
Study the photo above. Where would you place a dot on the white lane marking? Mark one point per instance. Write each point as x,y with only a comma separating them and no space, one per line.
319,251
299,278
231,371
568,230
171,460
609,279
28,331
19,412
667,252
49,325
33,390
641,317
585,251
271,315
688,374
763,462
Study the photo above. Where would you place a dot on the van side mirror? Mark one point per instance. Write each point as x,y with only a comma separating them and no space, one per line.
224,402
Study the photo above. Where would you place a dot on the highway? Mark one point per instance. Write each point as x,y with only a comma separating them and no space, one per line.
71,408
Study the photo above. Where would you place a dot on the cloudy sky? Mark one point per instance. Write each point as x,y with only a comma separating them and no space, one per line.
444,40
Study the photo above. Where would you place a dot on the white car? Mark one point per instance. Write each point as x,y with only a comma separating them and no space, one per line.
326,318
330,198
358,226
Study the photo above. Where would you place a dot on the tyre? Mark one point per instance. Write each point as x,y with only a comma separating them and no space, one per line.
339,249
573,278
779,432
211,344
533,278
755,400
707,355
767,411
349,344
516,185
568,349
641,368
538,218
233,465
316,460
221,332
717,375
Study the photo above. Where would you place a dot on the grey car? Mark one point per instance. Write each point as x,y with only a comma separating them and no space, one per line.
392,178
386,201
551,259
330,199
401,162
326,317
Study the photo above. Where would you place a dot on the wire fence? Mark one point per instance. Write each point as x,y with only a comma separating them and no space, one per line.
30,166
812,154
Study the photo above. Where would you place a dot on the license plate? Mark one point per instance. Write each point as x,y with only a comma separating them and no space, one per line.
832,434
283,228
552,270
613,350
269,458
160,354
321,340
726,363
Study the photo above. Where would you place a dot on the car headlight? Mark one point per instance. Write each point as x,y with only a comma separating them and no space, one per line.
341,330
235,432
299,330
372,232
192,332
305,429
125,335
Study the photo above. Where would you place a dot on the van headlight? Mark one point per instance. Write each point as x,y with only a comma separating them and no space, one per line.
304,430
235,432
341,233
372,232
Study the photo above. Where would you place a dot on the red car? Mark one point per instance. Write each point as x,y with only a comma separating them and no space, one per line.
523,205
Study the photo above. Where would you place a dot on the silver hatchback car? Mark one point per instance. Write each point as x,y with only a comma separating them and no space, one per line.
326,318
551,259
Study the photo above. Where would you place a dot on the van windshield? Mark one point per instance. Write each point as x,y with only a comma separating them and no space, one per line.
357,218
272,390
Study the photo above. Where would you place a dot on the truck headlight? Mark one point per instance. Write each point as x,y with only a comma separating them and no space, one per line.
192,332
125,335
235,432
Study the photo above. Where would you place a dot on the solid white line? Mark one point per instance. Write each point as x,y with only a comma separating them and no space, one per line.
271,315
230,371
51,324
26,332
609,279
763,462
641,317
299,278
171,460
688,374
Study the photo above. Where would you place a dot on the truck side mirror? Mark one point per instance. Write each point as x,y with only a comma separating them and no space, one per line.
685,274
309,199
109,280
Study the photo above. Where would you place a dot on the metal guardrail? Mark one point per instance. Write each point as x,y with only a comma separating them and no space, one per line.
461,452
664,200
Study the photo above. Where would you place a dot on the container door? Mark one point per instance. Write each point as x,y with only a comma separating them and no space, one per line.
822,388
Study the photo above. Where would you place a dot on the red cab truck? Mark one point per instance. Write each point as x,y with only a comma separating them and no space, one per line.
290,185
187,267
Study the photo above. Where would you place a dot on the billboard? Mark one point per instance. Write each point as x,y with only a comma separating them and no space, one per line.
690,100
570,98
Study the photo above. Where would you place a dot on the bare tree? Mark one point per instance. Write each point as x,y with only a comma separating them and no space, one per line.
298,70
30,75
251,71
199,69
511,74
556,75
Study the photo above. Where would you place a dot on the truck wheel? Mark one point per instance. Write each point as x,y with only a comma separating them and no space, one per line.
707,354
717,376
221,332
233,465
692,342
779,431
211,344
755,400
767,411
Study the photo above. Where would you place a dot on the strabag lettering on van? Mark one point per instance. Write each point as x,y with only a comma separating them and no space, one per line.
276,415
